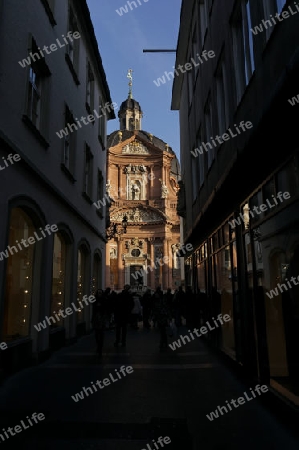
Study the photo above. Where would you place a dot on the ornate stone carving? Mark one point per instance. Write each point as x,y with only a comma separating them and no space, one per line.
127,169
137,215
113,253
135,147
108,187
176,247
135,191
135,169
136,242
164,190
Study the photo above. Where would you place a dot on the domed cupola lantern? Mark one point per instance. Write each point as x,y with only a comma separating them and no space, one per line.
130,113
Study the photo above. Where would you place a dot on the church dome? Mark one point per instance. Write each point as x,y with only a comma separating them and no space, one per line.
129,104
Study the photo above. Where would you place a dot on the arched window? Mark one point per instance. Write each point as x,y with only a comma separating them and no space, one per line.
58,277
131,124
19,276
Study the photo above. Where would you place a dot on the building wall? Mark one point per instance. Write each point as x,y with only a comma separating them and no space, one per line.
41,188
235,267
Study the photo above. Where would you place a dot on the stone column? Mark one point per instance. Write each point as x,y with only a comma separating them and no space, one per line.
107,268
170,265
119,182
165,268
152,179
152,255
120,268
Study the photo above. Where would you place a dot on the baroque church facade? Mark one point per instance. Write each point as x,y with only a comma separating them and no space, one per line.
142,182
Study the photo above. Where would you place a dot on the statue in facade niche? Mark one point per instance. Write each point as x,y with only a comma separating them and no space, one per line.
164,190
113,254
108,187
136,215
135,192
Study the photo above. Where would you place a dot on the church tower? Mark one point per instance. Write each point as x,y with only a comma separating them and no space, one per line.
130,113
142,180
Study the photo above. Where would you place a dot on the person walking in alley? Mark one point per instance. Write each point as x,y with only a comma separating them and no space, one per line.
179,306
99,318
162,316
169,298
146,302
136,312
190,307
112,301
123,306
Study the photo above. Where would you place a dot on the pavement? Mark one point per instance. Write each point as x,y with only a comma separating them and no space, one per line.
169,393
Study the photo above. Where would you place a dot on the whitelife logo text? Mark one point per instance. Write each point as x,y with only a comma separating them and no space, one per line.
124,9
225,137
30,241
188,66
203,330
53,47
36,417
64,313
123,371
260,209
236,403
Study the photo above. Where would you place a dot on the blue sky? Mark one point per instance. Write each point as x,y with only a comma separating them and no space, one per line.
152,25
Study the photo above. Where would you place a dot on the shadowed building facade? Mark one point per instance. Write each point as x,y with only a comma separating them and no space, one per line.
56,179
245,239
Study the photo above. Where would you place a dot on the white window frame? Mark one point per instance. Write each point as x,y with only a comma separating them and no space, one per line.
209,131
222,97
88,171
73,46
243,49
201,159
69,143
194,173
102,123
90,86
203,20
34,92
